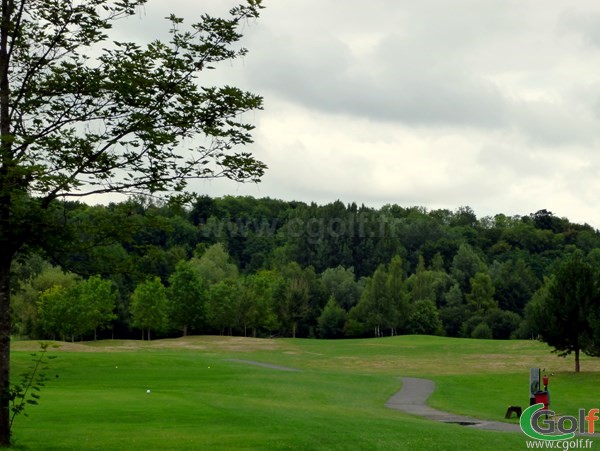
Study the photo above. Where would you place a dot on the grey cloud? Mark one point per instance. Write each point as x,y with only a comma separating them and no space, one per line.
583,23
430,66
554,124
429,70
395,85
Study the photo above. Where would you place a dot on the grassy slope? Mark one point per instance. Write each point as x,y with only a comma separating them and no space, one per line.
335,402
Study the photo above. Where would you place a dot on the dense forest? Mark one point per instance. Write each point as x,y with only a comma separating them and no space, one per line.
265,267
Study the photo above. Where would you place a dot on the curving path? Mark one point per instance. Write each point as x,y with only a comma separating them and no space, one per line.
413,398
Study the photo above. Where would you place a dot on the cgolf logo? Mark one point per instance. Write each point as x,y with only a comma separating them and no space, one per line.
534,423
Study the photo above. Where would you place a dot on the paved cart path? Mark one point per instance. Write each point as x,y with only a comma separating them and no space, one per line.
413,398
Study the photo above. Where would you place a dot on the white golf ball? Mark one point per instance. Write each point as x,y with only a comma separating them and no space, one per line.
148,391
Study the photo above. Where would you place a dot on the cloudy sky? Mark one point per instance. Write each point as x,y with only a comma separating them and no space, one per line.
438,103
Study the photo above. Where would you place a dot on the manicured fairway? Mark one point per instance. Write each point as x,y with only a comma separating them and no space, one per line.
202,400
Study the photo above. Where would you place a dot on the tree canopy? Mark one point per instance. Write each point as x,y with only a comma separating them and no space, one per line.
564,311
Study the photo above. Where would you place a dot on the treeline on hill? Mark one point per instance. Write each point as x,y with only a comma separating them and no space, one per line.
264,267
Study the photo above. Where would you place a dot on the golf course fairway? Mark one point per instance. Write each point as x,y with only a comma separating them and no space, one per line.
230,393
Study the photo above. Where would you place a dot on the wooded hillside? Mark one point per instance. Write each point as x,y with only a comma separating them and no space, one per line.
240,265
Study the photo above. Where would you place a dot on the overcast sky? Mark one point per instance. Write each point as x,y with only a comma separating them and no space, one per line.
437,103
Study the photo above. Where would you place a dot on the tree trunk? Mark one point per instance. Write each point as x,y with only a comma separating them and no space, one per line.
294,329
185,332
7,240
4,350
149,339
577,360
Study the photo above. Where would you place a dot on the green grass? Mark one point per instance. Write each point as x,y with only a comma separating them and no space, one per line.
336,401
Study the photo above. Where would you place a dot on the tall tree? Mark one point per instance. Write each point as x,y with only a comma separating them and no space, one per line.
72,309
465,265
25,305
187,293
424,319
73,125
332,320
214,265
377,305
481,297
454,312
563,310
341,283
396,294
429,284
149,308
514,283
59,313
292,296
222,305
97,299
256,303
